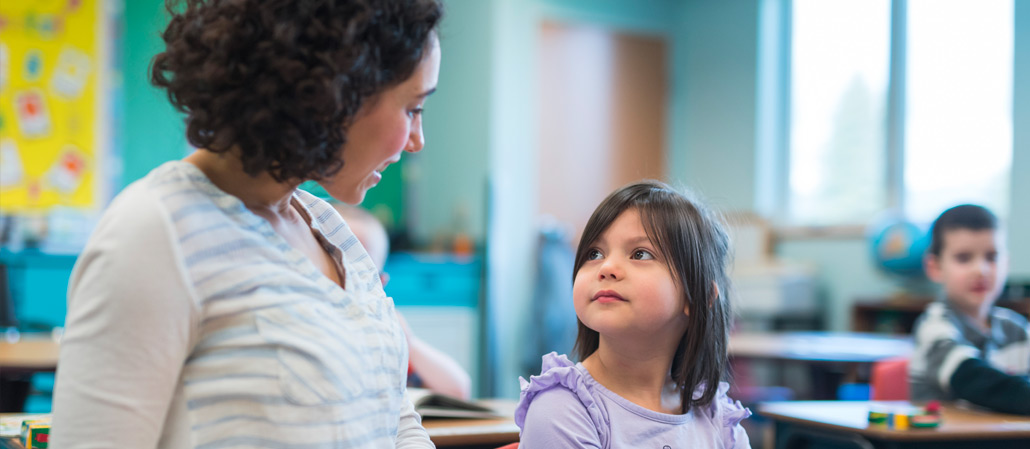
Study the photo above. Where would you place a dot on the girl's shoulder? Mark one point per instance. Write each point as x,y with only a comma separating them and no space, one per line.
557,374
565,411
726,414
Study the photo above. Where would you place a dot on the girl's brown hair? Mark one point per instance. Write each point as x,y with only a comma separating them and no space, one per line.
696,247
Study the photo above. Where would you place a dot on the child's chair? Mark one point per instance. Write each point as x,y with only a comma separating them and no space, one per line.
890,379
510,446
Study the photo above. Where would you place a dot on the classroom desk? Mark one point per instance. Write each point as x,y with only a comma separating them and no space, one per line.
830,358
844,424
447,433
853,347
476,433
32,353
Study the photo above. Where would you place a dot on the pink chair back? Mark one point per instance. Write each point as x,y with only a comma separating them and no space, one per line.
890,380
510,446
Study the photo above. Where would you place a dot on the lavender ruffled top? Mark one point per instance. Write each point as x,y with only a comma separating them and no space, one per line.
565,407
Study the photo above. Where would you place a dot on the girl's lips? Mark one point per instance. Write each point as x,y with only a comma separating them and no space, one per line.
608,296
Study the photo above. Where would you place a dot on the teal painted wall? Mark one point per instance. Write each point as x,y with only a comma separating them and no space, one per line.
712,146
154,132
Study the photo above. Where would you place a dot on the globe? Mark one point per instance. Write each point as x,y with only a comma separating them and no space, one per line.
898,247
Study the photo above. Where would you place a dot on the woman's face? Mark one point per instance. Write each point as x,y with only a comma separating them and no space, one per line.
386,125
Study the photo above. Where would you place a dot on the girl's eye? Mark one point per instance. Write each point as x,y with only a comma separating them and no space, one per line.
593,254
641,254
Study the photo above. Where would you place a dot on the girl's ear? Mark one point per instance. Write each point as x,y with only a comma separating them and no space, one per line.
715,297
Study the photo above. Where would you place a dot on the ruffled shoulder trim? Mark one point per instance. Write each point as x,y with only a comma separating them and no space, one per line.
726,414
558,371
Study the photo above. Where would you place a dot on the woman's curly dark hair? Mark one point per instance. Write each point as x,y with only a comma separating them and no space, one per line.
282,79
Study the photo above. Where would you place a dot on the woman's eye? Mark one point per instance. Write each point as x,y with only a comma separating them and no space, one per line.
641,254
593,254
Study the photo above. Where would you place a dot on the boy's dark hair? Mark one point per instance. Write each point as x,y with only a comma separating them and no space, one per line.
964,216
283,79
696,247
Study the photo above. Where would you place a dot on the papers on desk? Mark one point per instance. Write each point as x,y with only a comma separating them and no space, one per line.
10,425
435,405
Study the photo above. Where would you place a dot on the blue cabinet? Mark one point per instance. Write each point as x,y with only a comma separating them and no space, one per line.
38,284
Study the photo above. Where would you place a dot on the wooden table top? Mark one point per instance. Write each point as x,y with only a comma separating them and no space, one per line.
461,432
449,432
819,346
957,423
31,353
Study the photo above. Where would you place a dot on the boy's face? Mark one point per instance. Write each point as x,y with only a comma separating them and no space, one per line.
971,267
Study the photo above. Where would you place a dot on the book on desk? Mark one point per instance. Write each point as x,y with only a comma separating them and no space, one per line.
435,405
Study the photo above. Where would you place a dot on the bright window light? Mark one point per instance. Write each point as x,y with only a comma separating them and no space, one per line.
958,123
839,78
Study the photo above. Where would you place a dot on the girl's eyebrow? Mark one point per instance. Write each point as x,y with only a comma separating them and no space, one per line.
640,239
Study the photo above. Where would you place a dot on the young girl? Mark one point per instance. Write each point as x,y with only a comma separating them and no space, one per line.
650,292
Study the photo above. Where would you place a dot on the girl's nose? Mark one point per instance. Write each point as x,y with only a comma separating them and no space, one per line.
609,270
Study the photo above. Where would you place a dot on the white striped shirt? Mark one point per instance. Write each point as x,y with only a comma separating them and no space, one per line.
191,323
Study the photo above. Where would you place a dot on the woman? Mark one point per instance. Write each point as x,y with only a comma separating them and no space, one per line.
216,305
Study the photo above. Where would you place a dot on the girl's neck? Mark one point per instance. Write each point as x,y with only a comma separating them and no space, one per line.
262,194
641,377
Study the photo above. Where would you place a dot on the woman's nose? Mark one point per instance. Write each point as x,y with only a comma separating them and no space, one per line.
416,140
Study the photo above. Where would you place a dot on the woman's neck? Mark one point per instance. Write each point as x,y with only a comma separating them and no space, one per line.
641,377
262,194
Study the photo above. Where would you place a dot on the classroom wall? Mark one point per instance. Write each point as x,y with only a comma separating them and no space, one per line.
712,146
447,181
1019,215
153,131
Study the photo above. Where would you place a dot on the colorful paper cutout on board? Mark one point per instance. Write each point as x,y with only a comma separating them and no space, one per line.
51,104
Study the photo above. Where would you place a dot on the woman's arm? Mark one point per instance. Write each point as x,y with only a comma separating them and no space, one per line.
128,331
410,433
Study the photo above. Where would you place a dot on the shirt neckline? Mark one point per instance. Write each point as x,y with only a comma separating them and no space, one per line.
298,261
628,405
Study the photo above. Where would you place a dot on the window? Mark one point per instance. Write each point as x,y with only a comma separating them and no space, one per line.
841,56
958,120
941,134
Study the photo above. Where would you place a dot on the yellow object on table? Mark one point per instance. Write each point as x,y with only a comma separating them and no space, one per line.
35,433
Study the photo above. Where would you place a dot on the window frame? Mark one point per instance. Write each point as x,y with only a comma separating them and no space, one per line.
775,66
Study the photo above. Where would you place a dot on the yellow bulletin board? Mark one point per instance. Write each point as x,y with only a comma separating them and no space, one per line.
53,122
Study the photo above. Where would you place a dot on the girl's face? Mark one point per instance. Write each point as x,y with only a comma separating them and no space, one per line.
385,126
625,290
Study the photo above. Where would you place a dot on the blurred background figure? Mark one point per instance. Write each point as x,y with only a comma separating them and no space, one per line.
428,367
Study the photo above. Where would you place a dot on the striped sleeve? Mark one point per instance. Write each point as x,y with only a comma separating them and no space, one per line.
131,315
941,348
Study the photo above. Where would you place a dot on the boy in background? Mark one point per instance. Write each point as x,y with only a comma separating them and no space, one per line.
966,348
427,366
